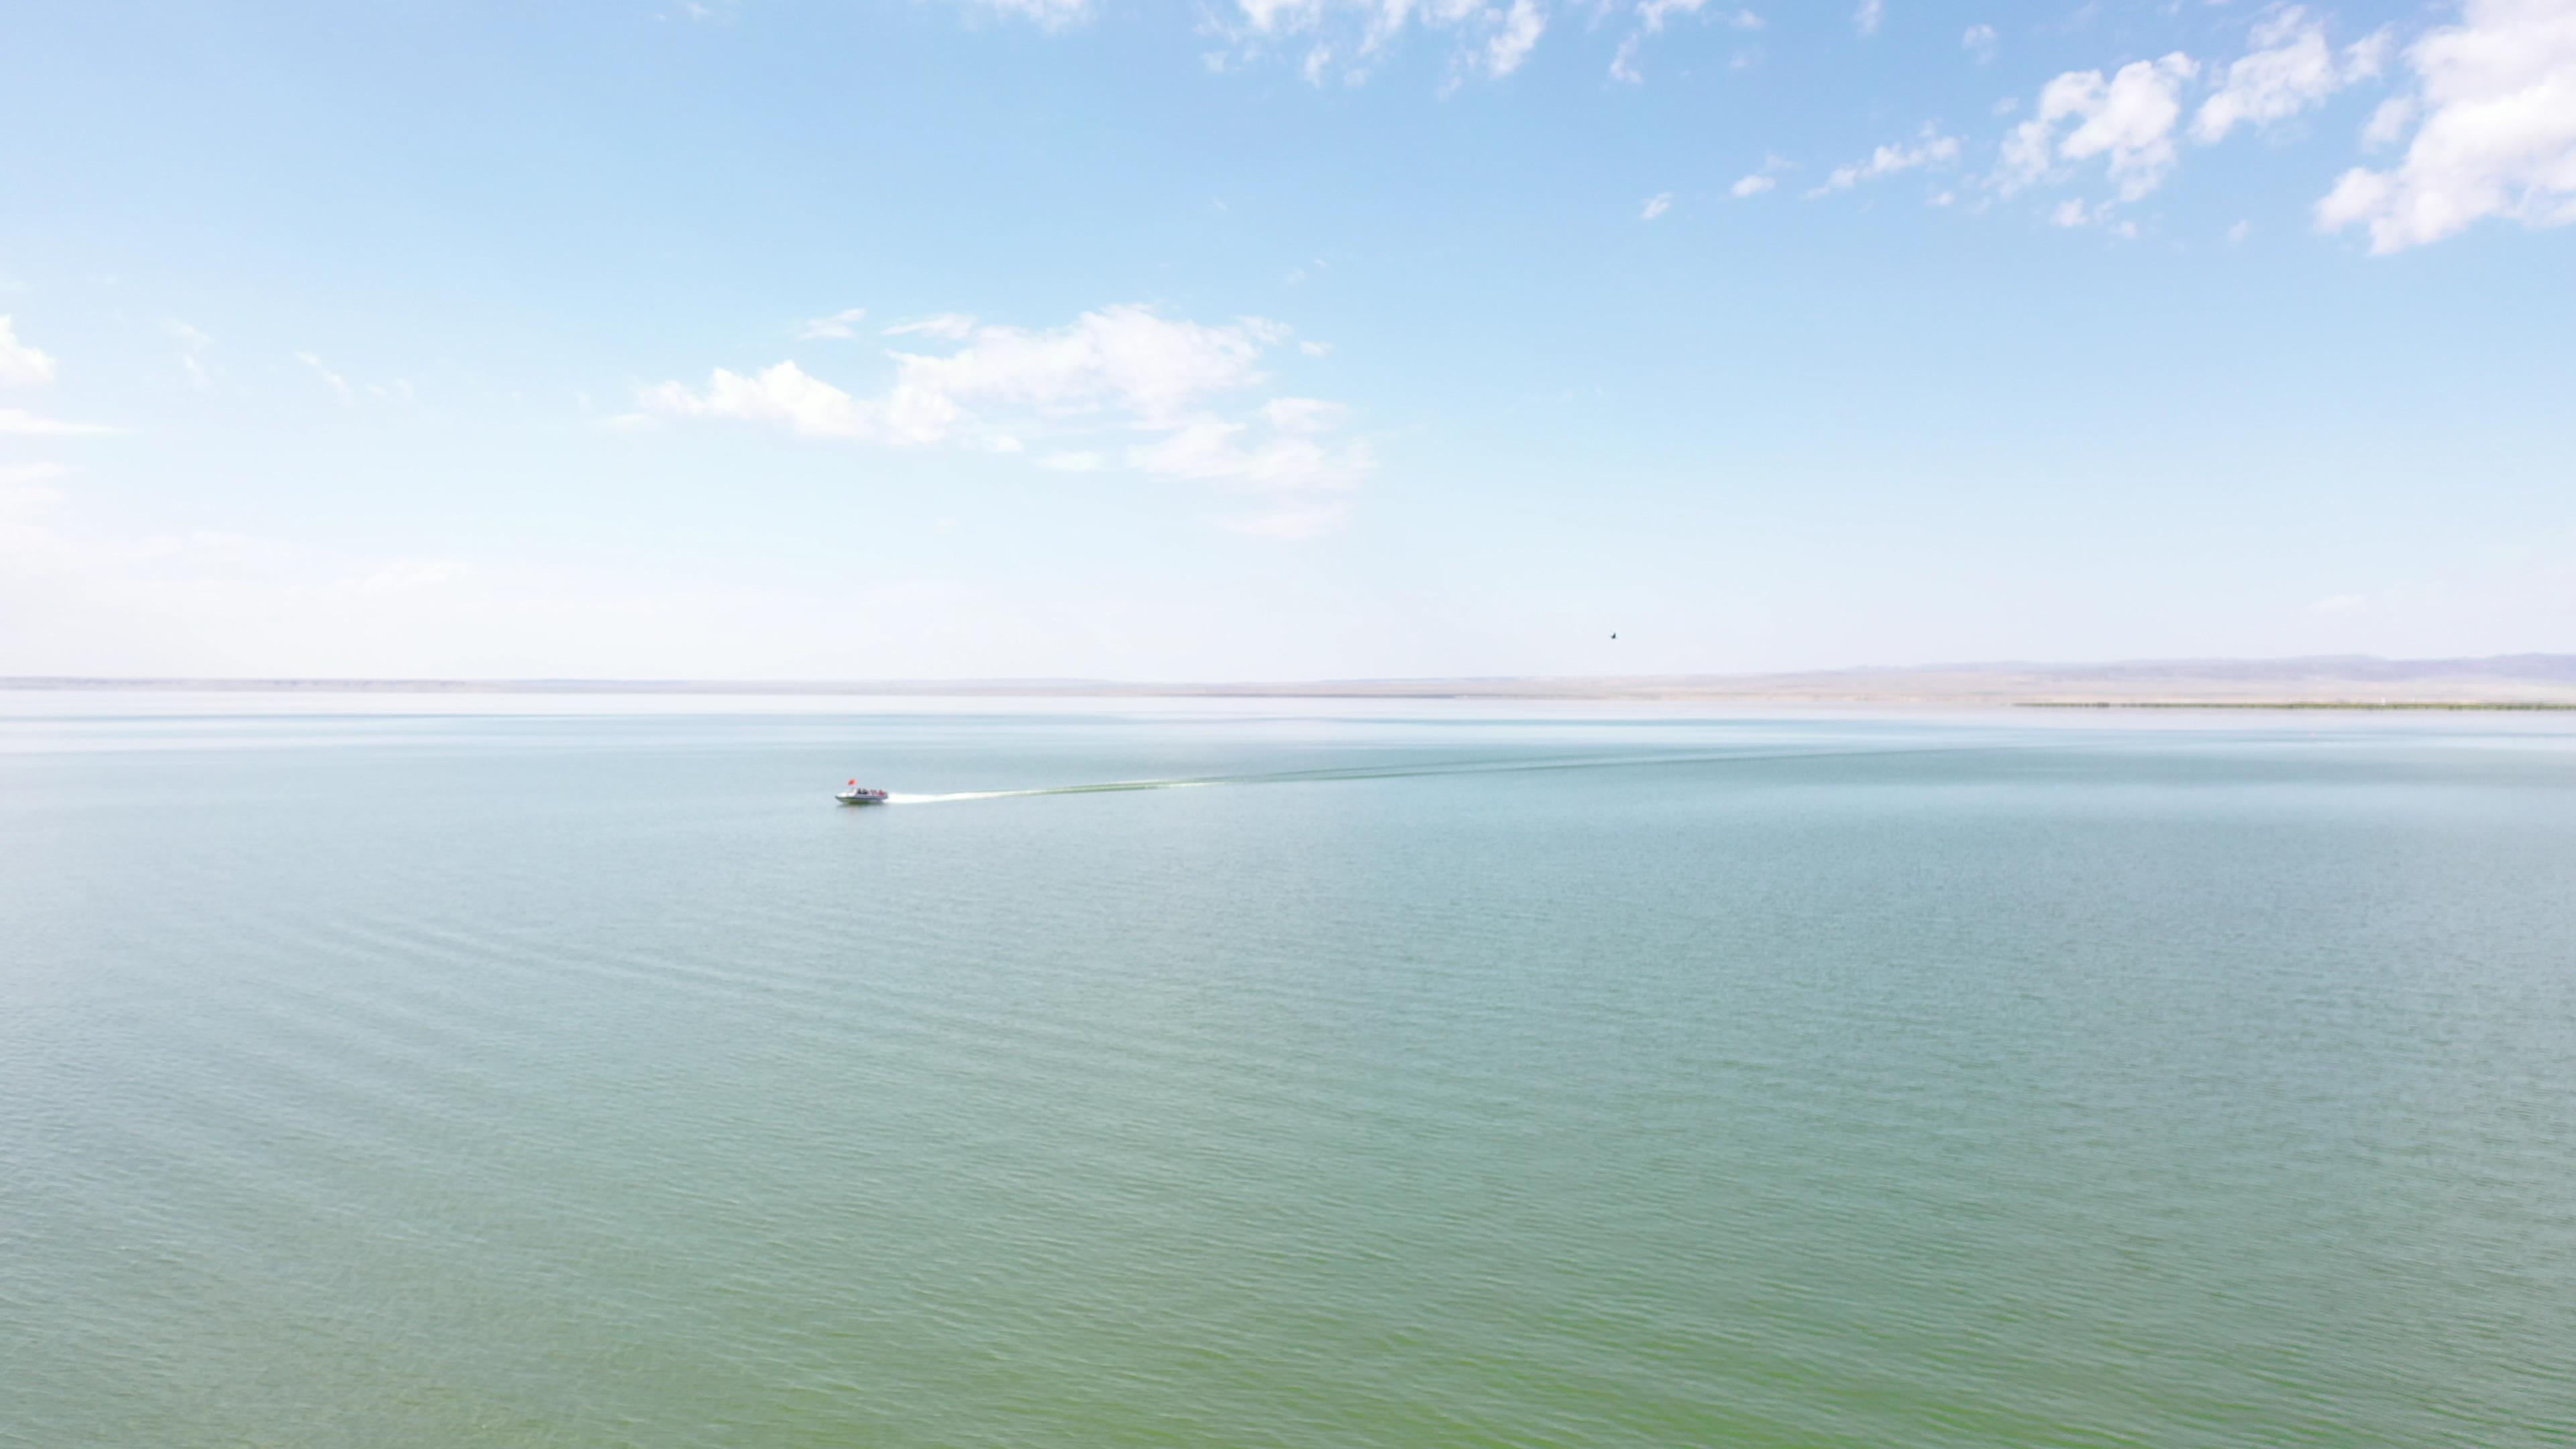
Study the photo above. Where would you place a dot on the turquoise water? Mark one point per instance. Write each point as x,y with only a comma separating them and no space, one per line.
576,1076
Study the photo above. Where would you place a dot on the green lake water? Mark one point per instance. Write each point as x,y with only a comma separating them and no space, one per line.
382,1072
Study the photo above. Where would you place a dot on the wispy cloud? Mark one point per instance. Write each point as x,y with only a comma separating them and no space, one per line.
1656,205
1980,43
1867,18
21,365
954,326
192,346
839,326
1929,148
1762,180
337,383
1654,15
1341,42
1047,14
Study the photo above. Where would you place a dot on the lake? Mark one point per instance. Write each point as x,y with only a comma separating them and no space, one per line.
571,1071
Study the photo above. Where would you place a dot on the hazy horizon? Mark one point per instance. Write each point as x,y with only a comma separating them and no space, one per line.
2542,681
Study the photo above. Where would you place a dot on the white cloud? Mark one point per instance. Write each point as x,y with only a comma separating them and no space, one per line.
1119,369
1343,40
2290,69
1980,42
784,394
1316,349
1288,464
839,325
2128,118
1761,180
1127,361
1623,61
1931,148
1522,26
20,364
2497,96
1656,205
954,326
1213,450
2073,212
1303,414
1653,15
2388,123
1271,15
1866,19
2237,234
1051,14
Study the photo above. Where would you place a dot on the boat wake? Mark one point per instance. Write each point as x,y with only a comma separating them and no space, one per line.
1413,770
900,798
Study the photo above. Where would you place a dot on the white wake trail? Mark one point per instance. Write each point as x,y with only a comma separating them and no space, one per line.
899,798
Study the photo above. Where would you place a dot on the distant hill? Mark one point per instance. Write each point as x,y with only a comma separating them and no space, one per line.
2534,679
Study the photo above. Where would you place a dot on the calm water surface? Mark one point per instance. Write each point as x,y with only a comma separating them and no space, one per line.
577,1076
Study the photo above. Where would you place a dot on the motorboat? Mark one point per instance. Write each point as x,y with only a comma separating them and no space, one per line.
855,793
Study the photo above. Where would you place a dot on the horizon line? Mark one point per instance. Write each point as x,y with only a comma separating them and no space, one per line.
2232,678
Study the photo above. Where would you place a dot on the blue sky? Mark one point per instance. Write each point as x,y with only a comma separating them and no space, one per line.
960,338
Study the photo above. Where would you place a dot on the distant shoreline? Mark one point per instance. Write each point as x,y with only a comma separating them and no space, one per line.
2340,704
2523,682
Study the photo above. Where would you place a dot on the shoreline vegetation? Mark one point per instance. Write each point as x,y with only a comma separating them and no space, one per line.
2521,682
